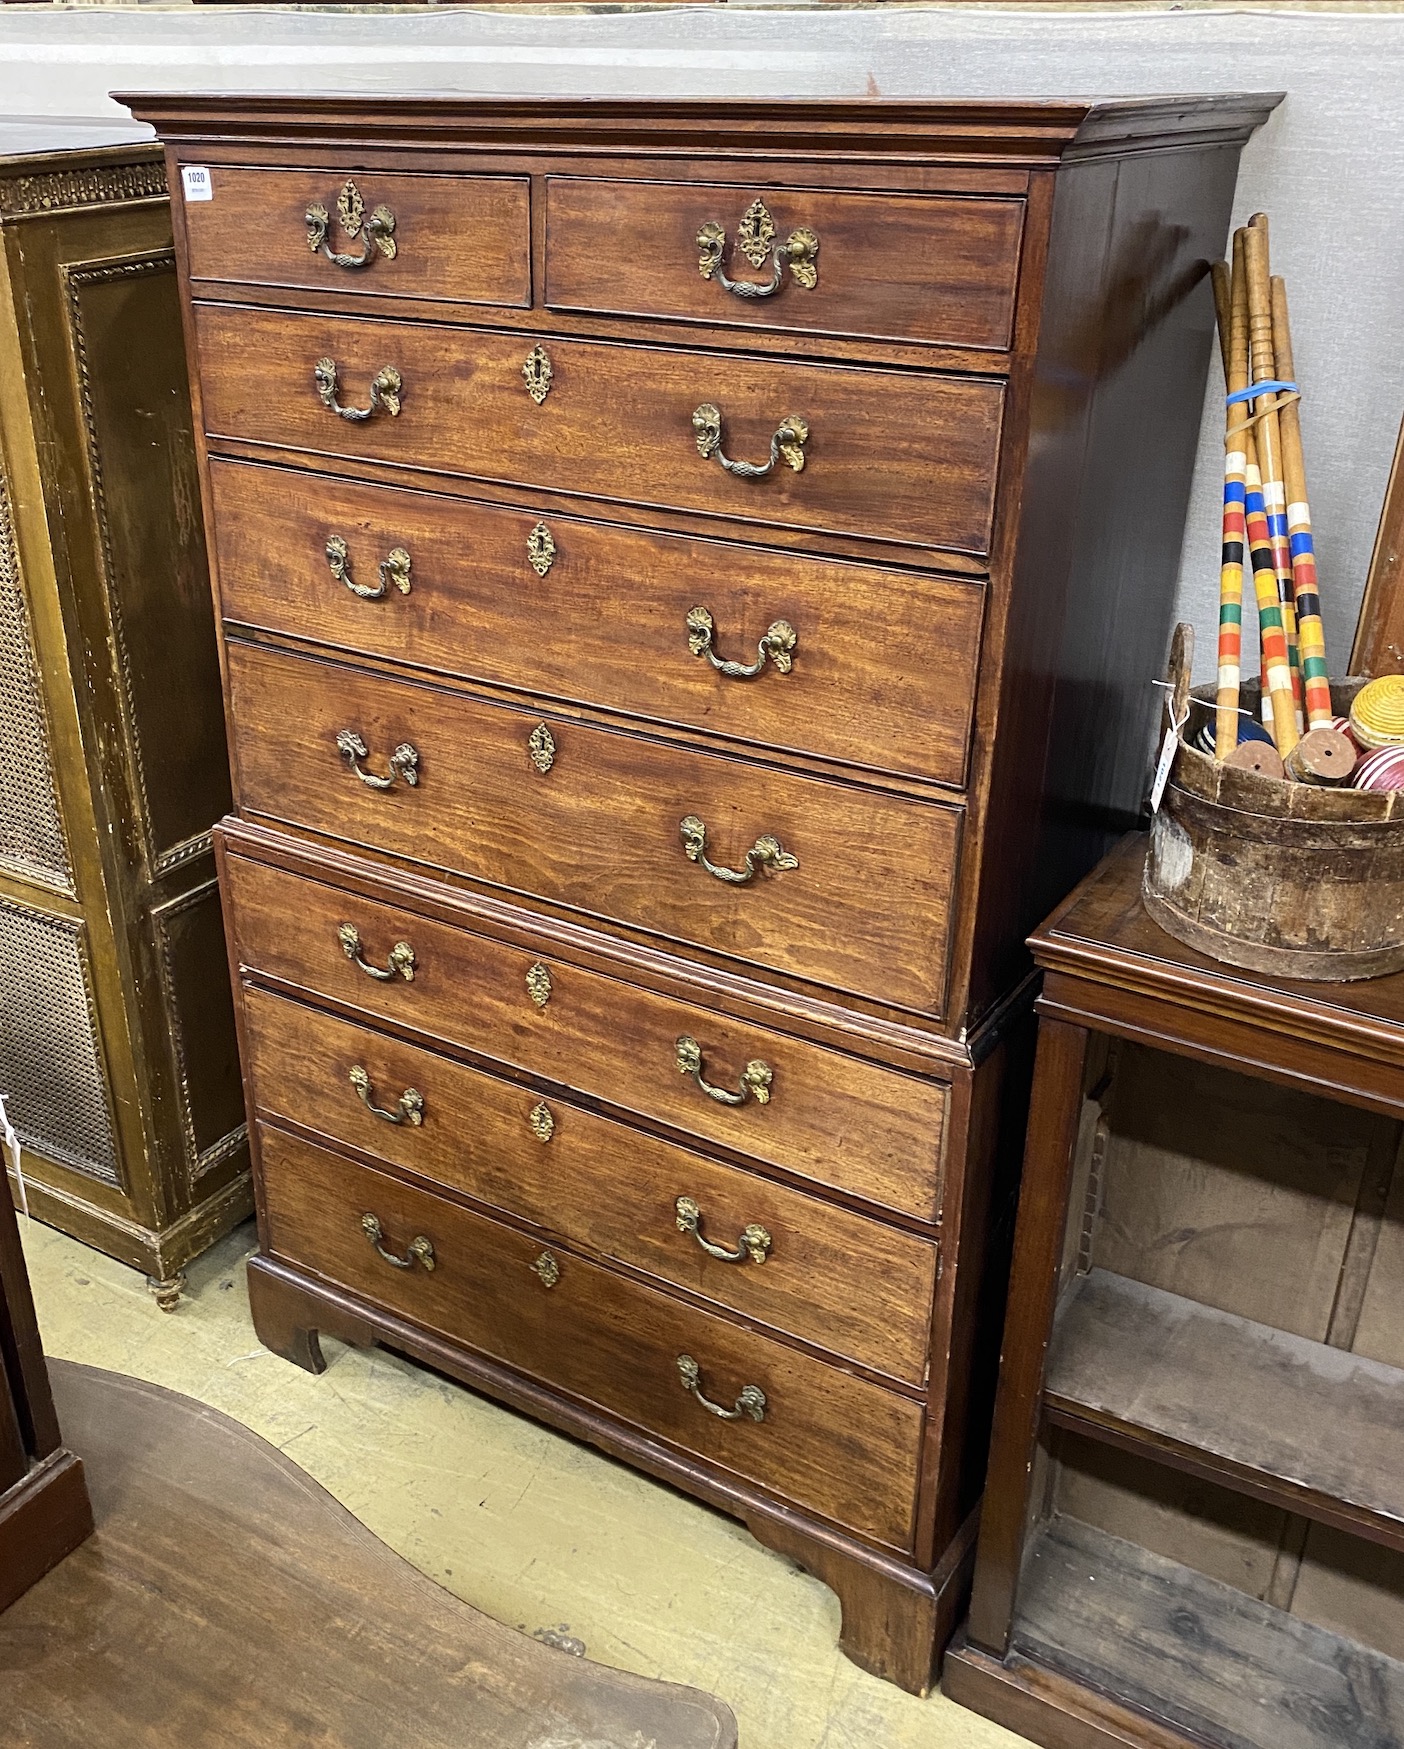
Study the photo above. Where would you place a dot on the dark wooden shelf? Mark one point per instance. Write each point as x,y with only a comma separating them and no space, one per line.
1317,1430
1209,1660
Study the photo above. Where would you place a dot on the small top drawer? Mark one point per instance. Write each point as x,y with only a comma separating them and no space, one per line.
934,269
458,239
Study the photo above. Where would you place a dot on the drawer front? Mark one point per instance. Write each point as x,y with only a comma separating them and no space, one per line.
830,1277
890,455
923,267
838,1445
831,1118
863,905
882,669
462,239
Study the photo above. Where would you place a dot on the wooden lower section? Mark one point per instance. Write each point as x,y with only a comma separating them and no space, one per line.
896,1617
43,1517
1193,1661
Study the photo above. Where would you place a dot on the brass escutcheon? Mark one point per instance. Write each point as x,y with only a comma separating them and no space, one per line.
537,371
541,748
538,983
547,1268
543,1125
541,549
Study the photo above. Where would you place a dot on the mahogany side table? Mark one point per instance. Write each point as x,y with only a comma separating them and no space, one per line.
1077,1637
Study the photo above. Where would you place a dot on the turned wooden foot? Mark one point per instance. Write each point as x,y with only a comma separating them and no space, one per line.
290,1318
166,1290
896,1619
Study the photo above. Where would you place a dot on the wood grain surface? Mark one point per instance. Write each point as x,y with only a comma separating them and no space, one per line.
831,1442
891,455
889,266
833,1118
462,239
257,1613
883,673
600,832
835,1279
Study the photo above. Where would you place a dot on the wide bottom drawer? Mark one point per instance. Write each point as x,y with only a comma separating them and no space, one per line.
837,1445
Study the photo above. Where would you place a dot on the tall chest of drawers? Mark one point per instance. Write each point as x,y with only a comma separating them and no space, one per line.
690,577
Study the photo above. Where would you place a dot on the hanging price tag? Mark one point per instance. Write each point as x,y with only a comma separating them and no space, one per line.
1162,770
11,1145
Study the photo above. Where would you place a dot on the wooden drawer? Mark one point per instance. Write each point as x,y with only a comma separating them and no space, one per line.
923,267
891,455
839,1445
833,1278
604,829
883,671
832,1118
462,239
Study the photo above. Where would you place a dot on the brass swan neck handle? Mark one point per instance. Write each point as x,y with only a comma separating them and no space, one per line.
750,1401
376,229
404,761
756,1077
754,1243
786,445
387,385
766,853
756,238
777,646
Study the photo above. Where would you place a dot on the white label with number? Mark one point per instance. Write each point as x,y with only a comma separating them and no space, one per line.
196,178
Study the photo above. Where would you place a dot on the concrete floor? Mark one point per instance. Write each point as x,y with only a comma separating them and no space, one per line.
520,1521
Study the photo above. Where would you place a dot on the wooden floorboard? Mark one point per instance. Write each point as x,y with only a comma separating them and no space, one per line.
226,1601
1317,1430
1205,1658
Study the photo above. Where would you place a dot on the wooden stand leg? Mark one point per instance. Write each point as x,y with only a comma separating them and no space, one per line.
166,1290
896,1619
42,1518
290,1318
1054,1112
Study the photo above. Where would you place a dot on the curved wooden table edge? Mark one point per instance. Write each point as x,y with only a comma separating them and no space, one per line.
135,1435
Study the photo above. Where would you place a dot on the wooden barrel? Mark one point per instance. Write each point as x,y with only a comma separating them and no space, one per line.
1292,879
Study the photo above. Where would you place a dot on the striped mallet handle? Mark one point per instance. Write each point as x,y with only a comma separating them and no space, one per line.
1271,631
1231,561
1311,634
1264,370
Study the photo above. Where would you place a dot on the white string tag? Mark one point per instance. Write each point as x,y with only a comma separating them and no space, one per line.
11,1144
1168,749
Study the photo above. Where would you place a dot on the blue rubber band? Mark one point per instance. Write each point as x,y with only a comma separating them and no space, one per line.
1261,389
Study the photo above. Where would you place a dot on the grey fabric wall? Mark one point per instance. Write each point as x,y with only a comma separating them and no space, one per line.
1329,166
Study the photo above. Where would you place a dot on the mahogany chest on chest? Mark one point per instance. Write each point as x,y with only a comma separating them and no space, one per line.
690,578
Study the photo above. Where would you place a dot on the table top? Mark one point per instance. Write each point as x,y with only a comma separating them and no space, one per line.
1110,967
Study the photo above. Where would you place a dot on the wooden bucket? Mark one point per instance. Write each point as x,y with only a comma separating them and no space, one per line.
1291,879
